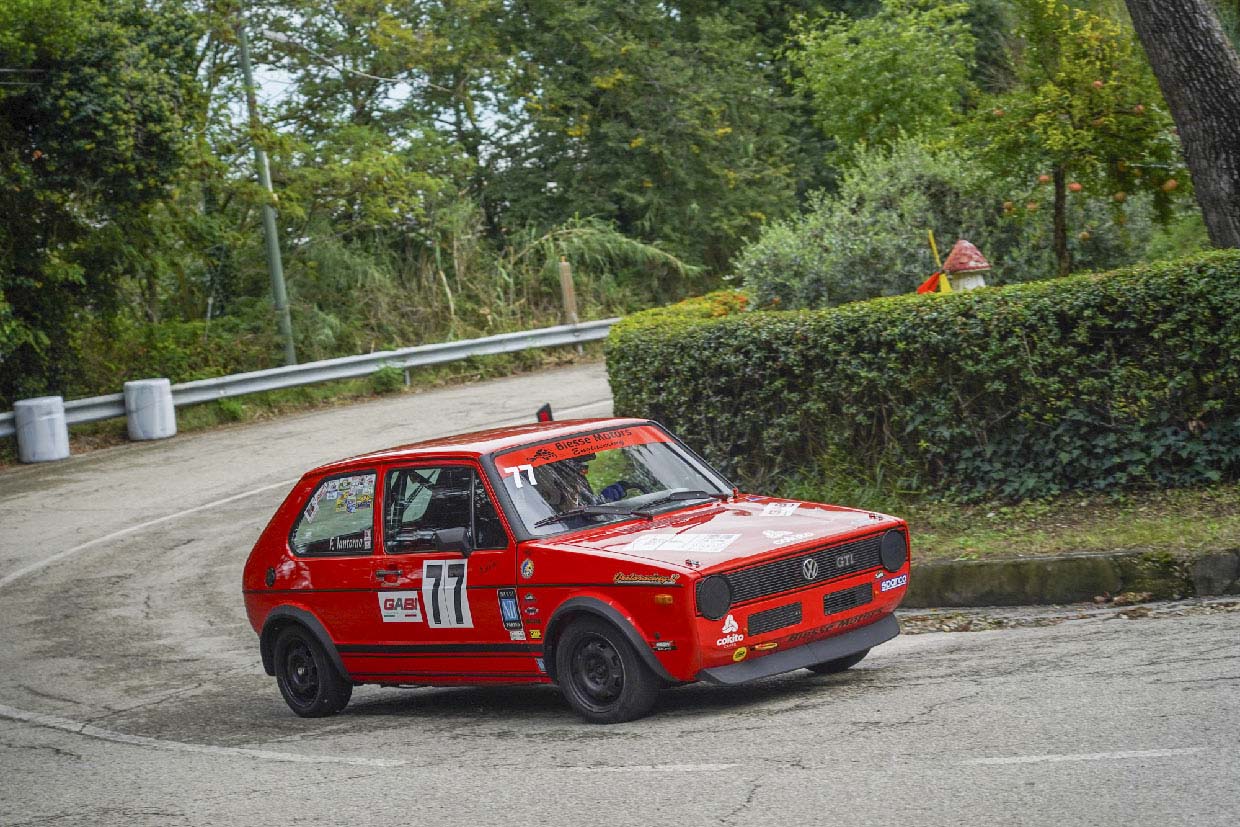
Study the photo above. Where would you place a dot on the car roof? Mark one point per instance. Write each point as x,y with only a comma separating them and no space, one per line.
480,443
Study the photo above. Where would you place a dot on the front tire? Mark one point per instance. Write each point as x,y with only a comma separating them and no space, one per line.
311,685
600,674
831,667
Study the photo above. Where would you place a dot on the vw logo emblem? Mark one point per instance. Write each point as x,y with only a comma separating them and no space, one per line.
809,567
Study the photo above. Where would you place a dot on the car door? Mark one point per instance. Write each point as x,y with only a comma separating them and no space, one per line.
443,617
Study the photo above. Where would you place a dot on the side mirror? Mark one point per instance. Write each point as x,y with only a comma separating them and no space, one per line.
454,539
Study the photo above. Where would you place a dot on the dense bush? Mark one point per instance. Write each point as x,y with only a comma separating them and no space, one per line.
1094,381
869,238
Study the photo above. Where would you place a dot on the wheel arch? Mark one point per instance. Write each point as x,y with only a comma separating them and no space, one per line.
282,617
577,607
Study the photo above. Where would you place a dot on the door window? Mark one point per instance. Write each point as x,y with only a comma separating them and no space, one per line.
338,518
420,501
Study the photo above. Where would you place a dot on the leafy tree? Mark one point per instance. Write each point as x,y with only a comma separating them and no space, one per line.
1085,116
92,134
672,128
904,71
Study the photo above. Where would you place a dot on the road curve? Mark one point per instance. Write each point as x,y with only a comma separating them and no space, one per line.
131,692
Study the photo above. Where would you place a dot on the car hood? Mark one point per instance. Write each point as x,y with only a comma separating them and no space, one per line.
713,536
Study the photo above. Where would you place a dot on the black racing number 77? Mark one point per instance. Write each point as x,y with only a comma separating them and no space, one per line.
445,593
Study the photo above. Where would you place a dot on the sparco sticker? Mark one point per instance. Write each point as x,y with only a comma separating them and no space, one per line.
699,543
893,583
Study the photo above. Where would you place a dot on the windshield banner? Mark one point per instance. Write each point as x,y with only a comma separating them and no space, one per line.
579,446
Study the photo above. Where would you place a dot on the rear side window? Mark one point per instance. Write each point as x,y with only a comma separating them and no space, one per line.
338,518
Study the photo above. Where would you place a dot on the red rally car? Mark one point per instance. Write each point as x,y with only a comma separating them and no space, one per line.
601,555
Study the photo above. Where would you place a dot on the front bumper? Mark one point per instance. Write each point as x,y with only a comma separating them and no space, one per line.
805,655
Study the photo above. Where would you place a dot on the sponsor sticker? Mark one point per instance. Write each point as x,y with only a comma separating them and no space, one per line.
765,647
518,634
509,612
578,446
784,538
535,634
652,579
824,631
400,607
893,583
699,543
739,654
780,509
527,568
731,633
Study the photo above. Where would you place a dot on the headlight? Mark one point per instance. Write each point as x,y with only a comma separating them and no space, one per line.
714,596
893,550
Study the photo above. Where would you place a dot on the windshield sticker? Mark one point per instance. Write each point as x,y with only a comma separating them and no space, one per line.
577,446
400,607
516,472
779,509
646,579
706,543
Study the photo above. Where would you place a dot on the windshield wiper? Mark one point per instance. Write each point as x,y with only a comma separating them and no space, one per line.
677,496
588,511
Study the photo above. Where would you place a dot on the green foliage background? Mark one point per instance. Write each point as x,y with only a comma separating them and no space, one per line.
434,159
1096,381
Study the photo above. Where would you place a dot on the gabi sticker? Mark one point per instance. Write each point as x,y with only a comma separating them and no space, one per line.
400,607
703,543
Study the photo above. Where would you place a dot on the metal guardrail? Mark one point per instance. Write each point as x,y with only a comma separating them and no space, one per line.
346,367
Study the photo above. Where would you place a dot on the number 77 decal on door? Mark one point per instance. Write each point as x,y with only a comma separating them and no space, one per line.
444,595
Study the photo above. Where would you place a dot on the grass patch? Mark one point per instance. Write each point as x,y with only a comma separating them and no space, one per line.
1183,520
386,382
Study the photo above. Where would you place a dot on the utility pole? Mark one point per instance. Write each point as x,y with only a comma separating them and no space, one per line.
274,264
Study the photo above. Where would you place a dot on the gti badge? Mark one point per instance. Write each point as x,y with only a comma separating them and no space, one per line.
809,567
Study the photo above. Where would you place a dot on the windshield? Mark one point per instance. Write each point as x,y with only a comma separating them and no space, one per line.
601,477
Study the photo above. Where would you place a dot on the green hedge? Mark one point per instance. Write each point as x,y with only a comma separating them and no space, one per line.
1098,381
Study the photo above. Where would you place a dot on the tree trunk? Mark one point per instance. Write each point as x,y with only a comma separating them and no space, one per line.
1199,73
1062,257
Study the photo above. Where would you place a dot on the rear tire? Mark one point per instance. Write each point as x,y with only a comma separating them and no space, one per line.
309,681
831,667
600,674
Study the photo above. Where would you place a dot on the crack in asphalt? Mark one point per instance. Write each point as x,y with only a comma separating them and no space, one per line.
754,786
62,753
114,712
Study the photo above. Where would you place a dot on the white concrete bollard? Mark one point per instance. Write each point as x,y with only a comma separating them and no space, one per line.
42,433
149,411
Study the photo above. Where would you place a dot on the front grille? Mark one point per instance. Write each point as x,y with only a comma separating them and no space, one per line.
789,573
769,620
847,599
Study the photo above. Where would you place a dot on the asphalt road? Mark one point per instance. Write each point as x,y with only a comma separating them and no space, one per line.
131,691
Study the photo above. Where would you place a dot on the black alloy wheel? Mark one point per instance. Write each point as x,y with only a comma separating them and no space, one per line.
311,685
600,674
831,667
